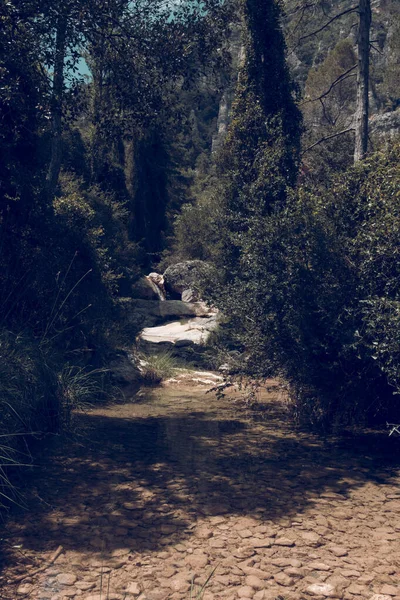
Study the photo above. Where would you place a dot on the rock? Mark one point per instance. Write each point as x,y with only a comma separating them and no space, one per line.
322,589
179,584
189,295
186,275
124,369
390,590
284,542
310,538
245,592
380,597
254,582
66,578
133,588
85,586
146,289
260,543
283,579
319,566
203,533
110,596
197,561
24,589
158,280
338,551
70,592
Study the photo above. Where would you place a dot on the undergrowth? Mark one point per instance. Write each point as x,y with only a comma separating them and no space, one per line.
155,368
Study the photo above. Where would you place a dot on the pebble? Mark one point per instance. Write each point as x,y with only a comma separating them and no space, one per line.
284,542
245,592
338,551
254,582
85,586
133,588
322,589
390,590
283,579
24,589
66,578
319,566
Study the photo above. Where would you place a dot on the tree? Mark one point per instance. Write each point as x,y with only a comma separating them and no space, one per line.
258,166
362,108
359,123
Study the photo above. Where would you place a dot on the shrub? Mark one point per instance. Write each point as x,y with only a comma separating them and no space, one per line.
321,304
157,367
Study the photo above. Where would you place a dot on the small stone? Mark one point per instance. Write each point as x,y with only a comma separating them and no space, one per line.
217,543
356,589
197,561
380,597
350,573
133,588
70,593
366,578
389,590
85,586
169,572
310,538
283,579
294,572
260,543
66,578
179,584
254,582
286,562
24,589
284,542
203,533
338,551
319,566
322,589
245,533
243,553
246,592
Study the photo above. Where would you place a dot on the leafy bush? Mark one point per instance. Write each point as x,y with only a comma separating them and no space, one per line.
321,303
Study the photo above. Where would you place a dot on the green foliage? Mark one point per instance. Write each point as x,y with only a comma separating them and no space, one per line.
37,395
157,367
321,305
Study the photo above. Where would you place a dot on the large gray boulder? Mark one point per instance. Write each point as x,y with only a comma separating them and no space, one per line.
186,277
145,289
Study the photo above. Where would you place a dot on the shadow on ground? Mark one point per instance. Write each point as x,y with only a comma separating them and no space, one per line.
142,482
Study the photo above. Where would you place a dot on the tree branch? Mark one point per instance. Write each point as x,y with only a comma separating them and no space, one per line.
340,78
344,12
326,138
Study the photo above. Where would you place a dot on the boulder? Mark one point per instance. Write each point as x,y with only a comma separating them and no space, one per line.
158,281
145,289
124,369
193,331
185,276
189,295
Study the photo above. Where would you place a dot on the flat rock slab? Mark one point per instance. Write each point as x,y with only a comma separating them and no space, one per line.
195,331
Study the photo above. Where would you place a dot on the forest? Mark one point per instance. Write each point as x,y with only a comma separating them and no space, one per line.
258,136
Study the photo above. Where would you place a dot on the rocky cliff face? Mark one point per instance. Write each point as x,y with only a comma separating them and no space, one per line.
307,54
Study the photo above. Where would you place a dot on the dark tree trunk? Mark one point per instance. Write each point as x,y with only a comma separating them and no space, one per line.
57,105
362,108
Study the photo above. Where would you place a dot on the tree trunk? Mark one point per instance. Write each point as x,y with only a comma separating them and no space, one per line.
57,105
362,108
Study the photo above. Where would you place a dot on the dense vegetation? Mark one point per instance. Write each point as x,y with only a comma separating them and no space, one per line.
104,175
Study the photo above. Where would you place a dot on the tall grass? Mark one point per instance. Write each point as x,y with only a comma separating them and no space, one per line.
157,367
37,397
